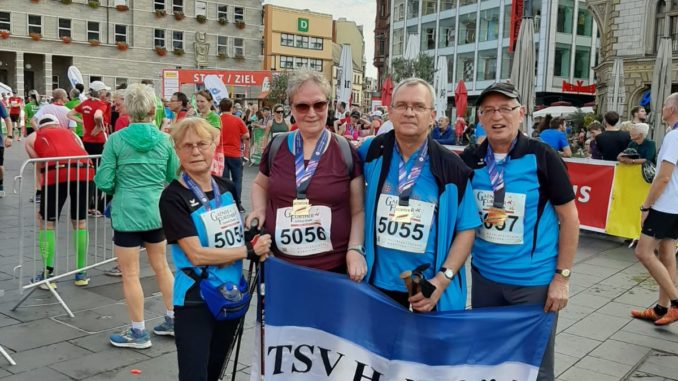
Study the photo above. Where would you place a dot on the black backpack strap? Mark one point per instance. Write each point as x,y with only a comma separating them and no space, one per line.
275,147
197,278
346,153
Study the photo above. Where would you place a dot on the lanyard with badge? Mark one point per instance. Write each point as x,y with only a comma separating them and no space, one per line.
497,213
403,212
303,174
223,224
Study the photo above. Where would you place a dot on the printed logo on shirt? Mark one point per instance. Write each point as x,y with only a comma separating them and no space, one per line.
193,202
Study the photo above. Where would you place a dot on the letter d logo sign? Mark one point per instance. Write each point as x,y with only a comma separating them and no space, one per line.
302,25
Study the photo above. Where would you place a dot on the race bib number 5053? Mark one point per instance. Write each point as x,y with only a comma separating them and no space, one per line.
304,235
223,227
409,236
511,233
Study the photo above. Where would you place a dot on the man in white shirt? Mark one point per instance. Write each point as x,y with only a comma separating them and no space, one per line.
659,214
56,108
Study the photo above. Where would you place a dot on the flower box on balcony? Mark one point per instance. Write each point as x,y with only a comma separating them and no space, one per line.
94,42
160,13
66,39
161,51
66,2
201,19
179,15
240,24
221,56
178,52
94,4
223,20
35,36
122,7
4,34
122,45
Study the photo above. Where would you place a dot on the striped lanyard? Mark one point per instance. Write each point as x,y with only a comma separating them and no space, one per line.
304,175
496,173
406,180
197,191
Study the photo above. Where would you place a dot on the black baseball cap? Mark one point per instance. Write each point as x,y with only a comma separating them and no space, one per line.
355,114
504,88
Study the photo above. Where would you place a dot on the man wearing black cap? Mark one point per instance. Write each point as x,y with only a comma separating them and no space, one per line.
524,250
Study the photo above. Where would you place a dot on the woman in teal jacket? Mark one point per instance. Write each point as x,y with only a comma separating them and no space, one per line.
135,166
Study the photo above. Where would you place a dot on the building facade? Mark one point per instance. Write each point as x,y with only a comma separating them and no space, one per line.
349,33
123,41
295,38
474,35
631,30
381,39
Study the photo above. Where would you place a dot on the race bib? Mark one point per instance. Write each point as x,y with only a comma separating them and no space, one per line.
303,235
223,227
511,233
409,236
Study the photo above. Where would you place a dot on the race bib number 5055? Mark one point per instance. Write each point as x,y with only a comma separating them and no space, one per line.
511,233
304,235
223,227
409,236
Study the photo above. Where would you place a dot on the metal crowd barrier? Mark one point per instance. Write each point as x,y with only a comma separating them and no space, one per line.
99,248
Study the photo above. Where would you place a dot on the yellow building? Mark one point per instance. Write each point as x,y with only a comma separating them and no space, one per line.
295,38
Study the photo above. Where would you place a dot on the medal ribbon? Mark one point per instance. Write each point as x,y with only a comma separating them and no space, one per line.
197,191
675,125
496,173
304,175
406,181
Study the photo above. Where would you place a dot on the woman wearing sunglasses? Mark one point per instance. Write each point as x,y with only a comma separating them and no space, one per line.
309,193
276,126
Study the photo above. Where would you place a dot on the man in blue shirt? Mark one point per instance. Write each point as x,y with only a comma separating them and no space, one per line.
442,133
419,206
556,138
525,248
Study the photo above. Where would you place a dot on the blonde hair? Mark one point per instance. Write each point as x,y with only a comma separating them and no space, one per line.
140,103
626,126
199,126
299,77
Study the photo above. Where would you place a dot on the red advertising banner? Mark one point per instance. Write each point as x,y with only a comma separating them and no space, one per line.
592,185
578,87
516,17
229,77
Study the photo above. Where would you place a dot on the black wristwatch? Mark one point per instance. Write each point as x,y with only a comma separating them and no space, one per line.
360,249
448,273
644,209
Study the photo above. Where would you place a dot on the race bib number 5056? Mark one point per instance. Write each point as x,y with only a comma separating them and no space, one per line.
511,233
223,227
410,236
305,235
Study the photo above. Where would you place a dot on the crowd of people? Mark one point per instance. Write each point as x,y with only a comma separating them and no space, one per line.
337,191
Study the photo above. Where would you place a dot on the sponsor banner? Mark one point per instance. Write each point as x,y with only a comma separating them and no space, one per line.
322,326
516,18
628,194
578,87
592,185
228,77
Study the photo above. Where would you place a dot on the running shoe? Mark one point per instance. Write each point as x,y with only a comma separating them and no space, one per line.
81,279
669,317
646,314
131,338
43,286
166,328
115,271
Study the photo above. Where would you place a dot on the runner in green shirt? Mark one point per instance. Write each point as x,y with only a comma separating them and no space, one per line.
75,100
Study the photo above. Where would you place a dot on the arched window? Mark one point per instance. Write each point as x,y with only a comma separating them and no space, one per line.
666,22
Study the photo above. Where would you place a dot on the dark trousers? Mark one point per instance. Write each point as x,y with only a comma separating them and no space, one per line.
202,342
97,199
233,172
486,293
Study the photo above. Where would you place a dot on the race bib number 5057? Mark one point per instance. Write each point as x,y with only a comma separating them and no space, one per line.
511,233
223,227
409,236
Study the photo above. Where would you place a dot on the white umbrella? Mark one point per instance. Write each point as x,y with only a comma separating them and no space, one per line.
345,76
5,88
440,86
661,88
555,111
617,93
412,47
587,110
522,69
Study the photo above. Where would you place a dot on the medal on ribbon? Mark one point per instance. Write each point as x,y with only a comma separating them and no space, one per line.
497,215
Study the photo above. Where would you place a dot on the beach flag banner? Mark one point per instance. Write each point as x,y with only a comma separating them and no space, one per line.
322,326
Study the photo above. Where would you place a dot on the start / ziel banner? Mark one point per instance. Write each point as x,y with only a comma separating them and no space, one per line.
322,326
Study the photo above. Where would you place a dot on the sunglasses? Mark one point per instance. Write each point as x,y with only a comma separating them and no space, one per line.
305,107
278,111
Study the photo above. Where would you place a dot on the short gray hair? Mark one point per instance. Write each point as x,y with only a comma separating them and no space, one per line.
414,82
59,94
641,128
300,77
140,102
74,93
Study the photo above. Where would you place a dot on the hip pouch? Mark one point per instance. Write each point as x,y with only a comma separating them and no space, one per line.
228,301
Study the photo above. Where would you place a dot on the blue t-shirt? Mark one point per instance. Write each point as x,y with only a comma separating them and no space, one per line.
480,131
555,138
3,116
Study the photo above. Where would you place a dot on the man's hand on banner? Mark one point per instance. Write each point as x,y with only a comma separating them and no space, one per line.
422,304
558,294
356,265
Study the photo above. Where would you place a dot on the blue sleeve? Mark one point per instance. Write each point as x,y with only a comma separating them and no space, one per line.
467,215
563,141
364,147
3,112
480,131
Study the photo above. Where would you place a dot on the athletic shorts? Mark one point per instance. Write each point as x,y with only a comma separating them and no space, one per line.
2,155
136,239
54,196
660,225
29,130
14,117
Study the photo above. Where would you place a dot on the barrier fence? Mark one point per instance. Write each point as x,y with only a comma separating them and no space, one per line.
62,230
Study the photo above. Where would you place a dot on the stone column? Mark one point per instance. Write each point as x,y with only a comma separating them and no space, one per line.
19,74
48,75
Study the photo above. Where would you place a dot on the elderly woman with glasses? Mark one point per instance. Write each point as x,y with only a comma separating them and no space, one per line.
647,150
309,190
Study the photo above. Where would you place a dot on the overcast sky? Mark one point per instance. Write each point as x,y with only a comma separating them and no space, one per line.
362,12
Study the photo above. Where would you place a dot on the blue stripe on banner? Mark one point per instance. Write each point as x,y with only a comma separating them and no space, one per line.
302,297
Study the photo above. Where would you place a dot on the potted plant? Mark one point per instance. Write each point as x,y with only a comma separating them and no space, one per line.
240,24
35,1
160,13
94,4
223,20
122,7
4,34
178,52
94,42
239,56
221,55
179,15
66,2
66,39
161,51
122,45
35,36
201,19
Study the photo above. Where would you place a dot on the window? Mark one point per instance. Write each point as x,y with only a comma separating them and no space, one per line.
222,12
316,64
286,39
565,15
447,33
93,78
667,23
467,2
399,10
467,28
382,9
561,64
239,14
429,37
316,43
489,25
64,28
447,4
201,8
5,21
93,32
55,82
286,62
120,33
582,62
34,24
584,23
301,42
119,2
507,22
177,39
506,60
413,9
177,5
429,7
300,62
487,65
159,5
222,45
239,47
465,66
121,81
398,38
159,38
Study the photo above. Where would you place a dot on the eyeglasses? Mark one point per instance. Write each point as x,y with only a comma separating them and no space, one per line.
202,146
278,111
305,107
503,110
419,108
